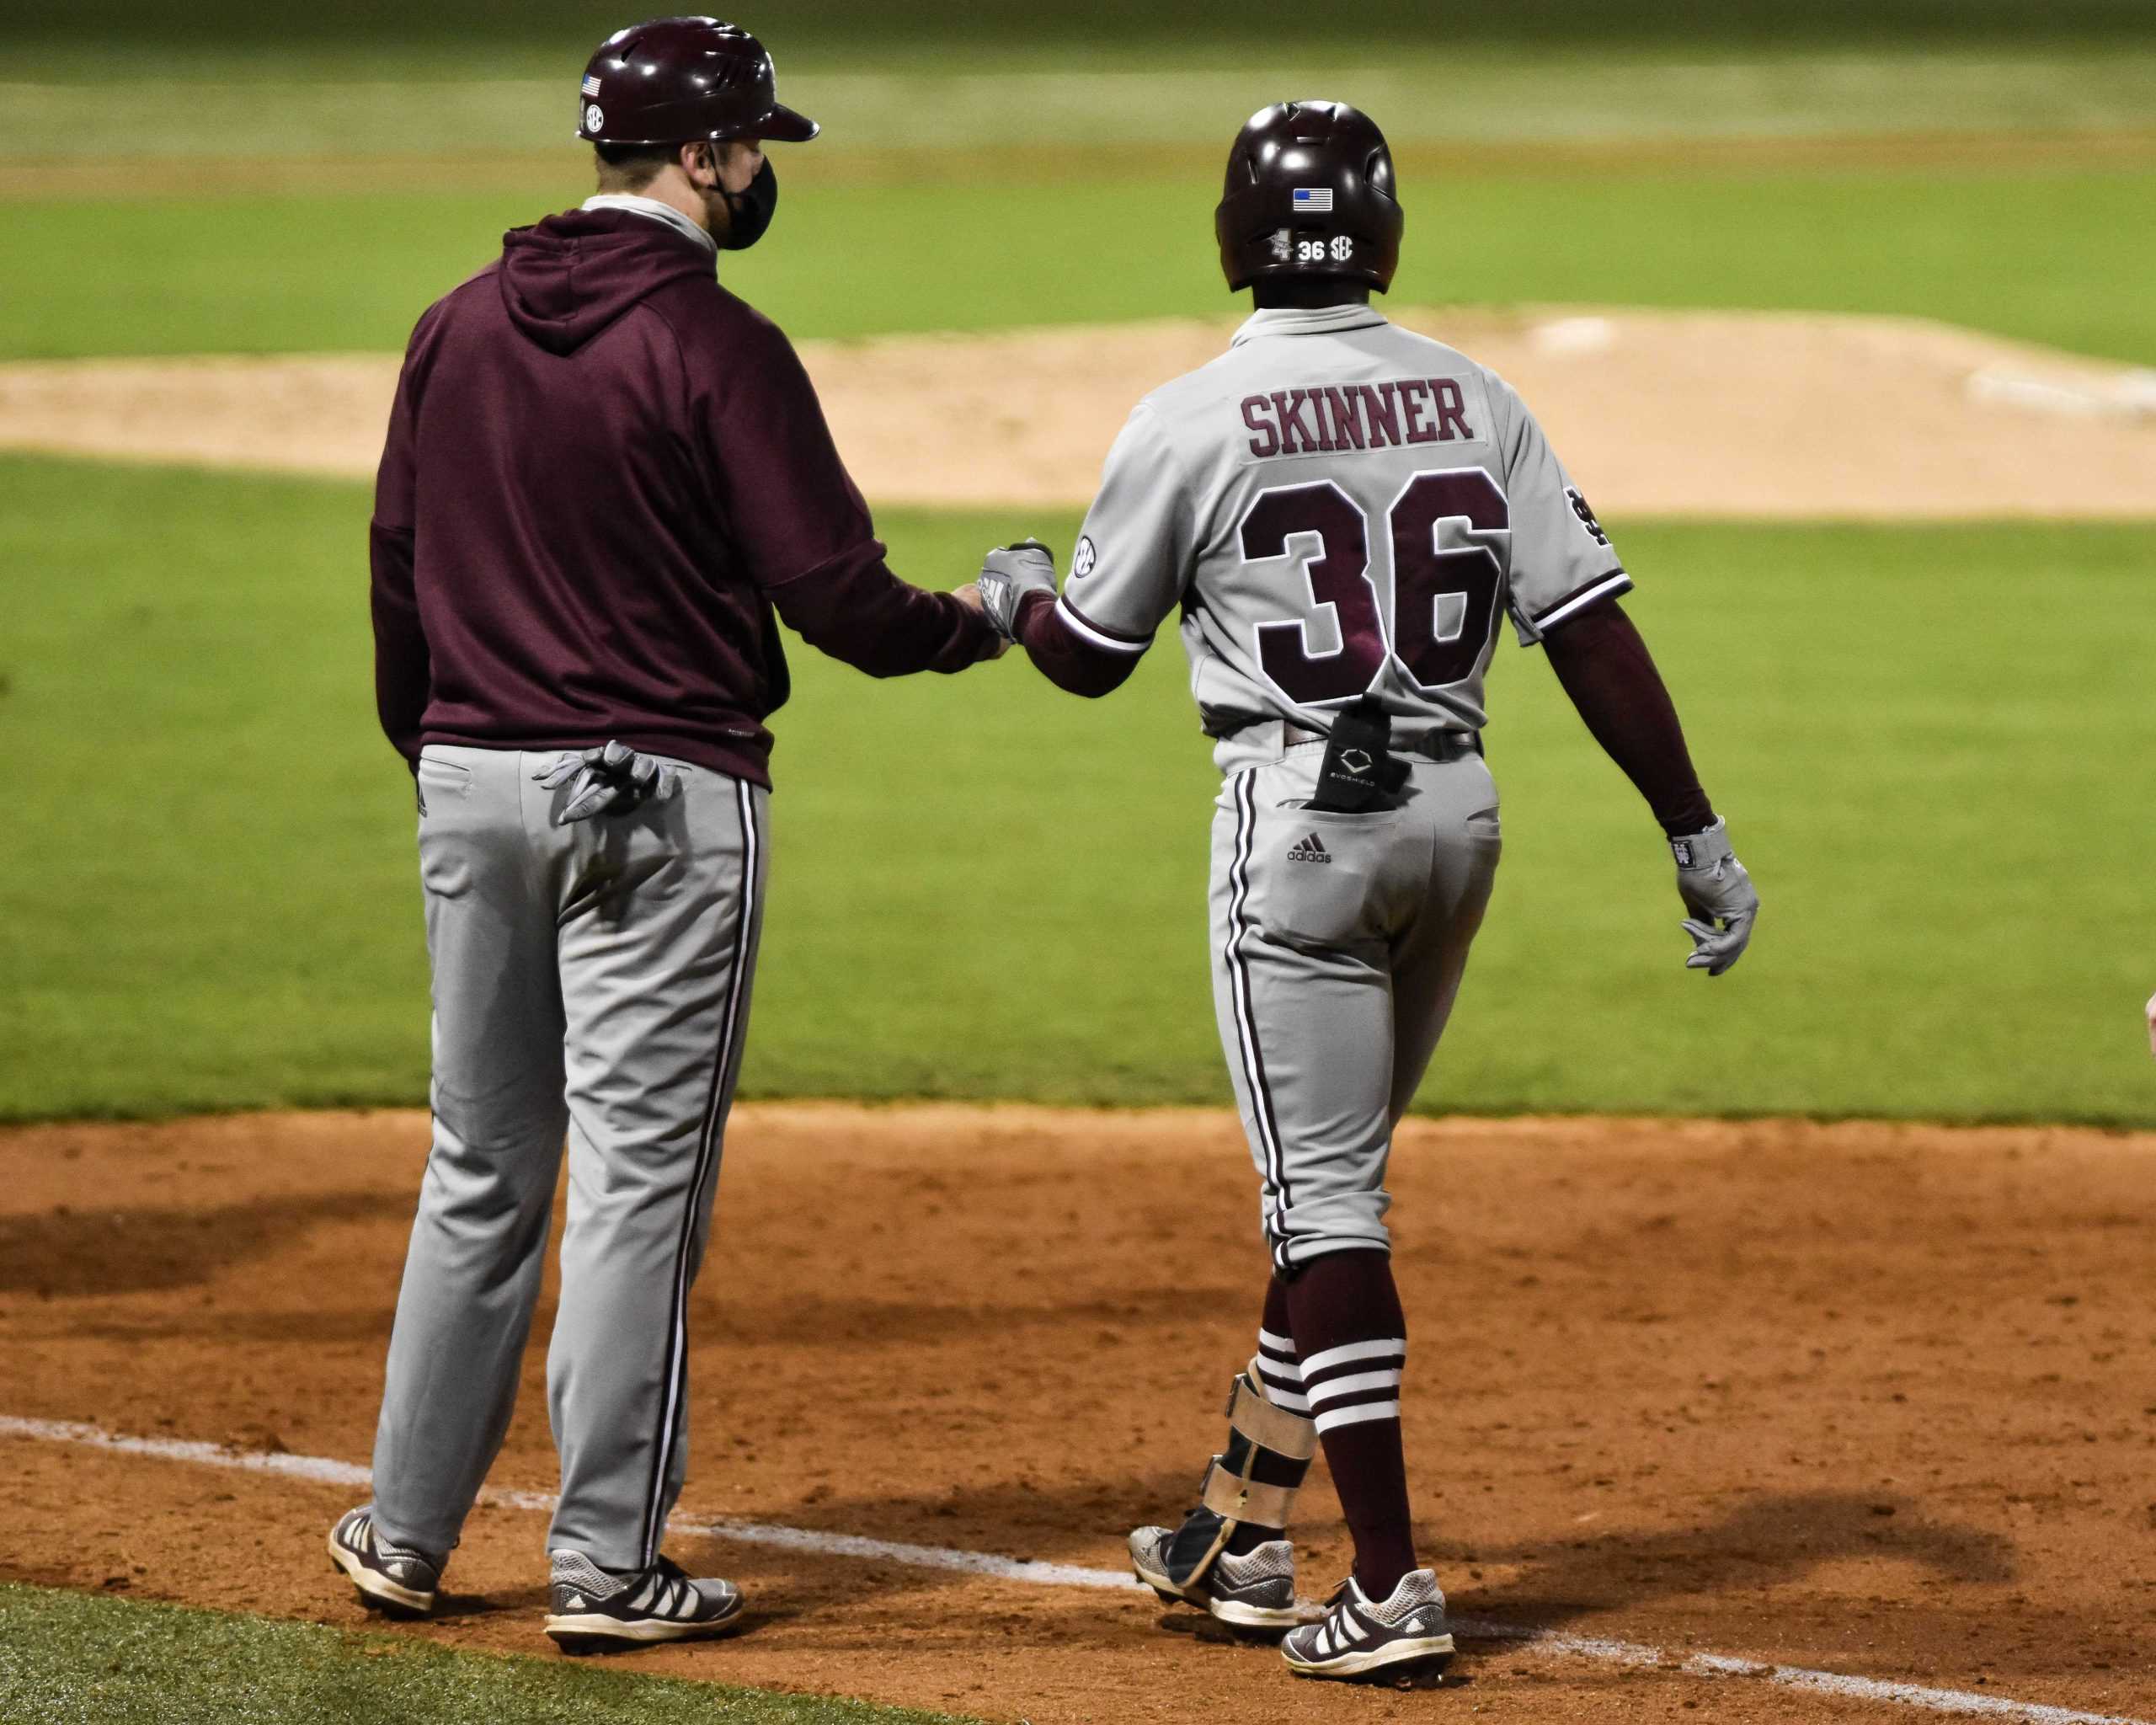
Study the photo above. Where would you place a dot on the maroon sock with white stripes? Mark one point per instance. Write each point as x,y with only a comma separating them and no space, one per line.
1282,1380
1351,1341
1279,1373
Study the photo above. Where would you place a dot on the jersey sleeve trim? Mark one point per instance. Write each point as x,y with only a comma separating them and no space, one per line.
1607,585
1111,640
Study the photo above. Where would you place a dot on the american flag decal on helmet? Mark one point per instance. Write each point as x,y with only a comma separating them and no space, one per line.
591,84
1314,200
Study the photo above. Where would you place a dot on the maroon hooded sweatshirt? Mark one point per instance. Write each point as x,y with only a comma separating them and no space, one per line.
604,474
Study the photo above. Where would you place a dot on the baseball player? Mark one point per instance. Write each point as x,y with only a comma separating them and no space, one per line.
605,475
1342,512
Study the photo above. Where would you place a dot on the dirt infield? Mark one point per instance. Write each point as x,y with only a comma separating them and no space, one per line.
1874,1399
1690,413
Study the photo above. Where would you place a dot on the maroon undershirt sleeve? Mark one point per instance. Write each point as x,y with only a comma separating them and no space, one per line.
1066,658
804,532
1607,671
403,670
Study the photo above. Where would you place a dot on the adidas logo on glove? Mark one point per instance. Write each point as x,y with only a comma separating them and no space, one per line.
1307,849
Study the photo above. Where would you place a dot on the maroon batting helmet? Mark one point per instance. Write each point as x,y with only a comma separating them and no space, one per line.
1309,192
676,80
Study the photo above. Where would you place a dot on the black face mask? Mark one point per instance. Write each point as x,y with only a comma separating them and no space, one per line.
752,209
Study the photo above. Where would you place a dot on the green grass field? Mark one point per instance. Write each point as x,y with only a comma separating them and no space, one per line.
314,198
353,272
381,100
983,889
957,24
958,27
68,1659
214,903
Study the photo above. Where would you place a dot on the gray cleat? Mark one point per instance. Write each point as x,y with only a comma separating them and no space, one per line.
1403,1635
399,1580
1255,1591
595,1610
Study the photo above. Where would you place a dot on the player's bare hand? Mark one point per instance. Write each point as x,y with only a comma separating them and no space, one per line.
1718,893
1009,575
613,780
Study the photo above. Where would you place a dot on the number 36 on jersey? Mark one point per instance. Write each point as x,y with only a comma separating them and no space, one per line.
1445,598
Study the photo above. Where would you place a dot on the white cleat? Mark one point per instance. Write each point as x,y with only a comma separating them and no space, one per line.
595,1610
397,1581
1401,1636
1254,1591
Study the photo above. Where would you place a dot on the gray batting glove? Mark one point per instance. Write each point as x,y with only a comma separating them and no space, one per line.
1718,893
1008,575
614,780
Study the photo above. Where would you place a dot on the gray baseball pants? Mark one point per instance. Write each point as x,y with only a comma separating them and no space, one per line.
1339,945
591,980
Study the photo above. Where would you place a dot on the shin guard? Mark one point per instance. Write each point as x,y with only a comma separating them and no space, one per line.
1263,1439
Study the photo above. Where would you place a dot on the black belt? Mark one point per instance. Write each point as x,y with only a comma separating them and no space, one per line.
1431,746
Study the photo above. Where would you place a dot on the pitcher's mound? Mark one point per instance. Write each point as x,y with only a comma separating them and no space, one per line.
1715,414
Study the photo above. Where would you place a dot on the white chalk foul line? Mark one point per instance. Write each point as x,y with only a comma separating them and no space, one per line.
323,1470
1837,1684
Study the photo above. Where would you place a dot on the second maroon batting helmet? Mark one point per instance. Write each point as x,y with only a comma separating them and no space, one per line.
1309,192
675,80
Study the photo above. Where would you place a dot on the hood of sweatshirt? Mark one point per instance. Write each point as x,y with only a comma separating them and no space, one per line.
567,278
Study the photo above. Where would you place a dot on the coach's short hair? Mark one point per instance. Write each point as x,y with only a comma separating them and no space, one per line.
630,168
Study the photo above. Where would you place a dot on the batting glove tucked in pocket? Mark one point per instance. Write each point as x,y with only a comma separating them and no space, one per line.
613,780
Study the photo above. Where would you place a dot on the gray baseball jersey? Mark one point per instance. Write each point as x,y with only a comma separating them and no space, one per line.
1340,506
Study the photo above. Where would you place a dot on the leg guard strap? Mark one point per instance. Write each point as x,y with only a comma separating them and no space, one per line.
1229,1494
1233,1499
1267,1425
